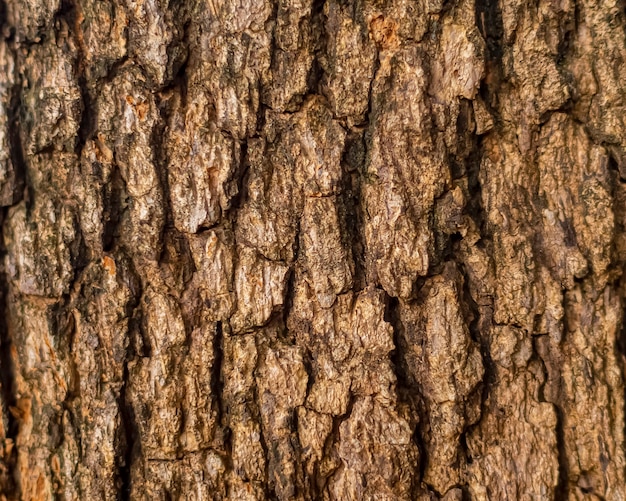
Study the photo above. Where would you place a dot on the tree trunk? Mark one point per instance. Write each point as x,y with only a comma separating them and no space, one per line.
304,249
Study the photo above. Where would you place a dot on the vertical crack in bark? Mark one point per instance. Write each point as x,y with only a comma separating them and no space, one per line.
217,389
474,206
130,440
8,478
130,447
407,392
316,72
159,155
480,316
621,348
272,48
16,154
476,326
217,382
8,485
88,116
489,22
113,207
333,439
262,441
561,489
242,175
70,11
3,16
353,160
289,295
620,285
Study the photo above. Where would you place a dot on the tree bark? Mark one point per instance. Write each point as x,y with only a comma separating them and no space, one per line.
312,249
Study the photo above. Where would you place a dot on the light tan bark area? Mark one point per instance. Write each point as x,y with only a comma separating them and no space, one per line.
312,249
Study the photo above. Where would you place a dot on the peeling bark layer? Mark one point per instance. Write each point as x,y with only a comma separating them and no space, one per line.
301,249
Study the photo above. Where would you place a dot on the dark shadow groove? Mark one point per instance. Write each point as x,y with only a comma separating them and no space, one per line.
489,22
130,434
217,382
8,483
561,490
408,392
16,153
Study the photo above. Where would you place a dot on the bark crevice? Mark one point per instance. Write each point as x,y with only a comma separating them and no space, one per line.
8,481
301,249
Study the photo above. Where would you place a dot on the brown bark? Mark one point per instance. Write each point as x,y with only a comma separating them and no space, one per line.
301,249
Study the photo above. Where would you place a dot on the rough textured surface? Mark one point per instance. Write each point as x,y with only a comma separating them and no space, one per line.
298,249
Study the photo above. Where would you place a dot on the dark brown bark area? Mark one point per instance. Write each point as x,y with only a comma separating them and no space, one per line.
301,249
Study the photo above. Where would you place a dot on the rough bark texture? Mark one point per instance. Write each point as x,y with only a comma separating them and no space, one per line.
304,249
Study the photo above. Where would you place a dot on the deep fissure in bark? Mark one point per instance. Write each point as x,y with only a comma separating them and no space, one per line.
7,378
318,249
